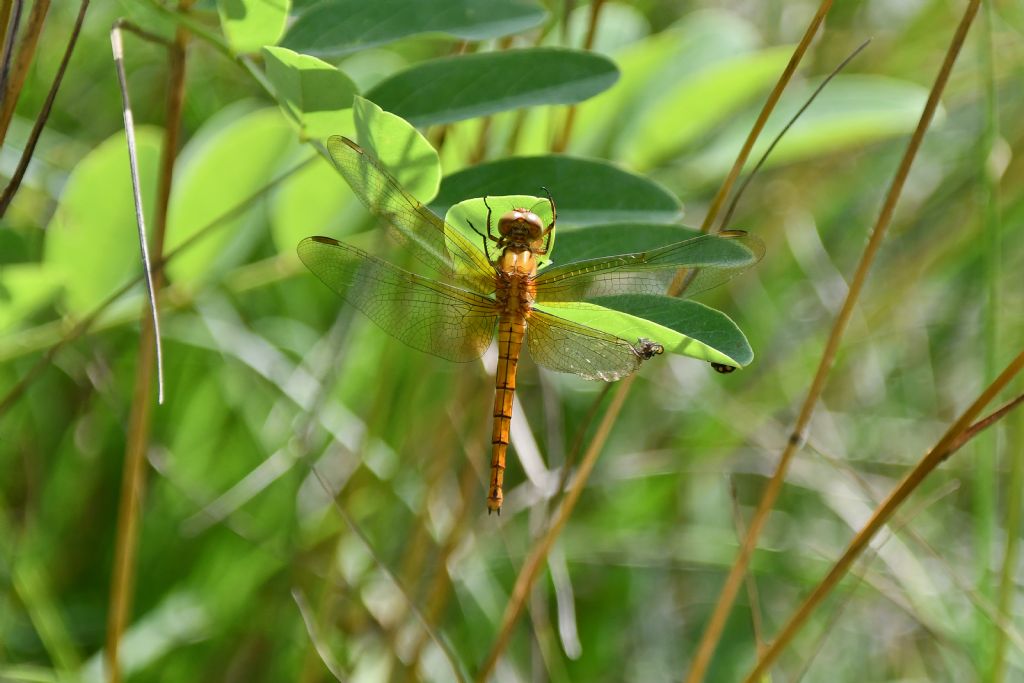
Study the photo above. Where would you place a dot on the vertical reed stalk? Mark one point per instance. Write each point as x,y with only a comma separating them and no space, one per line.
985,490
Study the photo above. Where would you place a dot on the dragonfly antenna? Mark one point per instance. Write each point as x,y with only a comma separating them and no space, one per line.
785,129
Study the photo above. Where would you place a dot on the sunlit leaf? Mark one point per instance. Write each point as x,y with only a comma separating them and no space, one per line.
91,241
315,201
465,86
399,147
693,106
228,161
586,191
851,111
314,93
652,68
682,327
24,287
336,27
475,211
251,24
319,202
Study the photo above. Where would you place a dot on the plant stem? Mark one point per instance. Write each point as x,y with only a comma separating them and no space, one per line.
985,490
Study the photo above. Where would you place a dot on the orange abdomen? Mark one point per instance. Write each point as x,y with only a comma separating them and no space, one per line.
511,329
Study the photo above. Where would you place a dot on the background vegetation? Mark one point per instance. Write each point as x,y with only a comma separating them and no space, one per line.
278,399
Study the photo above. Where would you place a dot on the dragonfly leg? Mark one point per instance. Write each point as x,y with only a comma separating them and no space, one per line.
489,232
550,230
483,237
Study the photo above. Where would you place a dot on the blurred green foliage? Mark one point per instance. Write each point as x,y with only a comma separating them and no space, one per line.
269,374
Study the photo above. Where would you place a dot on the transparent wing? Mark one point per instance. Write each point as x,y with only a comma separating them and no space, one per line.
411,224
562,345
707,261
427,315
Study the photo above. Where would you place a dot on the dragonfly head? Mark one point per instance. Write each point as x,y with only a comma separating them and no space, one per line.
520,225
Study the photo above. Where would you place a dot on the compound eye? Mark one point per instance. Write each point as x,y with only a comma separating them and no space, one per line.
534,222
507,221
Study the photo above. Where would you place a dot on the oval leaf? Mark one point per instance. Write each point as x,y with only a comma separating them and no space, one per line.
696,104
465,86
24,288
652,67
618,238
485,220
223,165
337,27
91,241
315,201
250,24
683,327
399,147
586,191
851,111
313,93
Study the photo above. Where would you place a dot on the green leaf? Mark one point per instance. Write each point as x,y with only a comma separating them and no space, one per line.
618,238
225,163
399,147
697,104
682,327
620,25
851,111
24,288
586,191
315,201
651,68
250,24
465,86
91,241
314,93
476,211
338,27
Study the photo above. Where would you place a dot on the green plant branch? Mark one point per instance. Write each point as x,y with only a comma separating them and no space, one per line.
797,437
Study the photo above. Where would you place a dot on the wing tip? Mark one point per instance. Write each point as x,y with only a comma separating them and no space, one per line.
336,141
322,240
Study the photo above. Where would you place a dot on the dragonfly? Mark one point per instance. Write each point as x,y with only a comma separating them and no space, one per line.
496,284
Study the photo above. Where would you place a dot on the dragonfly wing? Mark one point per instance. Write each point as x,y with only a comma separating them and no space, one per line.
425,314
436,244
565,346
706,261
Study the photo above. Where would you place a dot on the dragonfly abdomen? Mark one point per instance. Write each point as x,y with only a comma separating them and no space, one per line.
511,330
